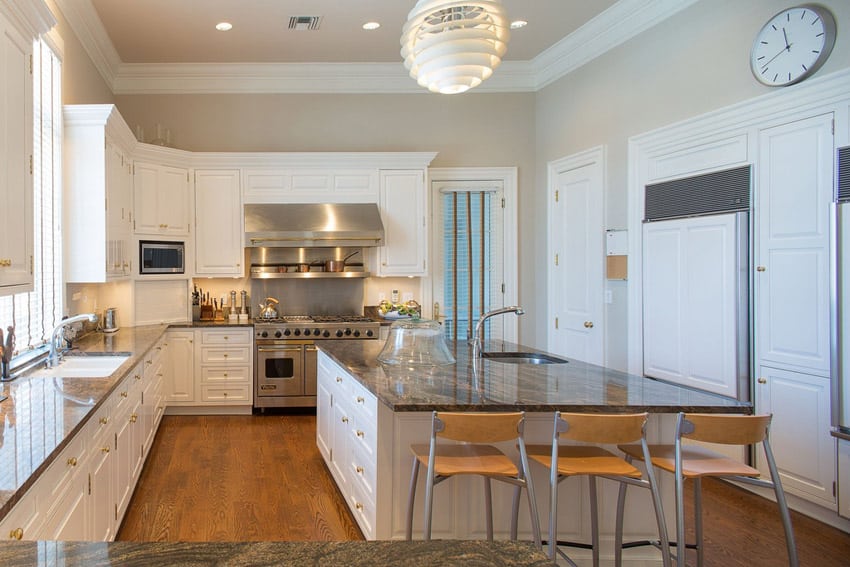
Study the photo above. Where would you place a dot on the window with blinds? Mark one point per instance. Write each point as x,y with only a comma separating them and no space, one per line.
472,270
34,314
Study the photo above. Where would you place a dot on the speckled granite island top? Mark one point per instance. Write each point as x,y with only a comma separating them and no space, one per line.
41,415
385,553
573,386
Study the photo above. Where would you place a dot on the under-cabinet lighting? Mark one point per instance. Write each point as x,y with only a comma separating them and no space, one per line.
369,26
224,26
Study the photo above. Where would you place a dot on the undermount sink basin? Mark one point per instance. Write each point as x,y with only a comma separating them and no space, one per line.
523,358
83,367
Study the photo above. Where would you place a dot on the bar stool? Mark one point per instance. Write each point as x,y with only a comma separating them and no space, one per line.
564,461
473,456
695,462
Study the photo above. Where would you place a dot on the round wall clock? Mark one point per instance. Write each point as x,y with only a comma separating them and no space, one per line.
792,45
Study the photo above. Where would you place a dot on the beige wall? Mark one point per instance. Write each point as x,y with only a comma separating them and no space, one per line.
81,82
694,62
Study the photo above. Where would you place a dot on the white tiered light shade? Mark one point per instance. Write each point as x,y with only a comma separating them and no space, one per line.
451,46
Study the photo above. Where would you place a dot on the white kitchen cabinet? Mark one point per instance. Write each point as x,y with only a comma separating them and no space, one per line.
219,234
179,385
318,185
403,204
161,200
152,402
16,179
800,432
24,521
792,219
127,446
97,169
224,366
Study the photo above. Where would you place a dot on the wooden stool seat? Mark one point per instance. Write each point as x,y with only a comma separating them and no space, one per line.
583,459
696,461
451,460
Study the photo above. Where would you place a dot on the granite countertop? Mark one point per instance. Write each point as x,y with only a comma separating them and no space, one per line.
41,415
574,386
476,553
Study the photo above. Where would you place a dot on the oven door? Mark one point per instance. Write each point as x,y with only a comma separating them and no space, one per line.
280,370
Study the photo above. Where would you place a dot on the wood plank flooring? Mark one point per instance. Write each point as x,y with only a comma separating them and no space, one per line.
261,478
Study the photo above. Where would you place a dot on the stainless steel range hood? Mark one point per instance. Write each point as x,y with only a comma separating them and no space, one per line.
309,225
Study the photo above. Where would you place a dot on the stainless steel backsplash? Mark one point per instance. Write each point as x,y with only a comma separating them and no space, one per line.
311,296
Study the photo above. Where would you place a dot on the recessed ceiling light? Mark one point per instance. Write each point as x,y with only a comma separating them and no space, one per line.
371,26
224,26
516,24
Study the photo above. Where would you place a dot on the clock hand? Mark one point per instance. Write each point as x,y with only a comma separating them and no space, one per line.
769,61
785,35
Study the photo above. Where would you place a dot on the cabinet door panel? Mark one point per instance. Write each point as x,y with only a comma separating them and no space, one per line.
180,386
799,434
792,282
403,213
16,206
173,200
218,223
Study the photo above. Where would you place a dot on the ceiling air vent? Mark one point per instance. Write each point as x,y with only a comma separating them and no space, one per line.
304,23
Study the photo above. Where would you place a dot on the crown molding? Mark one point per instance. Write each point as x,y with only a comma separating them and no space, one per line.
616,25
619,23
35,18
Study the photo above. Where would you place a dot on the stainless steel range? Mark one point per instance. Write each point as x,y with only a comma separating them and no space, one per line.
285,355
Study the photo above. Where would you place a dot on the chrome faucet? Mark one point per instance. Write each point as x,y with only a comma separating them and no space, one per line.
478,341
54,357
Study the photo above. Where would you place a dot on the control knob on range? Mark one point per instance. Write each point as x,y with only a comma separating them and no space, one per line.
278,334
297,332
306,332
339,332
264,334
287,332
347,332
356,333
317,332
326,334
369,333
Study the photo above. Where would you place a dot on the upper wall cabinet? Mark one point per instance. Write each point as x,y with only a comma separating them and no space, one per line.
218,223
320,185
161,200
403,212
16,127
97,169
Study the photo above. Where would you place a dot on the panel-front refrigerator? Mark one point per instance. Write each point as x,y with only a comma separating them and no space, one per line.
696,282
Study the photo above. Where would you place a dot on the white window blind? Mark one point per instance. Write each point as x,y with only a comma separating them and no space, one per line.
34,314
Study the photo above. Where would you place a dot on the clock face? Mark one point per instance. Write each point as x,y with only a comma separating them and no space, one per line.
792,45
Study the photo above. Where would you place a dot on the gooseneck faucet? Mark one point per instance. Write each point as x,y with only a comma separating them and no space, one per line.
54,357
478,341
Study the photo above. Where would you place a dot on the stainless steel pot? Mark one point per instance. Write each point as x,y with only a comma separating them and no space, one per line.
338,265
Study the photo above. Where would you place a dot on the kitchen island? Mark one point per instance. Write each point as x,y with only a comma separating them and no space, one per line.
369,414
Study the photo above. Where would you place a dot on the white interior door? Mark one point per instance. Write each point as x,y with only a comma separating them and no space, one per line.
577,251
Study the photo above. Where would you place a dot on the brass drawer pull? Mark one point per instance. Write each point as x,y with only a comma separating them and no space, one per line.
17,533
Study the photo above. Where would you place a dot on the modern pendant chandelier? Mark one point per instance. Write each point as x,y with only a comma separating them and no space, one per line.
451,46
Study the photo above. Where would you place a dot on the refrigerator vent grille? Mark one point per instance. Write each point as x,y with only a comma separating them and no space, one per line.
844,174
725,191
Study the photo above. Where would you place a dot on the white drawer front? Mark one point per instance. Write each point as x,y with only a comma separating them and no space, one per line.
229,374
225,355
363,509
224,394
226,337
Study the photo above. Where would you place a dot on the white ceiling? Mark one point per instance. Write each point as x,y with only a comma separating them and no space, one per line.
171,46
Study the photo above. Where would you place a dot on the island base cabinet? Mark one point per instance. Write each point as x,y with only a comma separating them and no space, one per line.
844,478
366,447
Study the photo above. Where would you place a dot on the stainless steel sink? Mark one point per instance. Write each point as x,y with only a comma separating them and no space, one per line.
523,358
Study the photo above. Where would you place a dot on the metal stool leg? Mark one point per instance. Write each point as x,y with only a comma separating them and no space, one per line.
515,511
553,514
618,530
791,545
411,498
698,521
488,507
594,520
680,520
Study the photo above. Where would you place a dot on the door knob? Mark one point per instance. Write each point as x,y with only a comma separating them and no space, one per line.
762,380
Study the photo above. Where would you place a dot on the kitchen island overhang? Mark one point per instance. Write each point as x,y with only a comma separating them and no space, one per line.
369,414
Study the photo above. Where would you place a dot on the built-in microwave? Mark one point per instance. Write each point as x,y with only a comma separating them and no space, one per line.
161,257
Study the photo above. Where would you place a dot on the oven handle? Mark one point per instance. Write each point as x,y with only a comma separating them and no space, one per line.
280,349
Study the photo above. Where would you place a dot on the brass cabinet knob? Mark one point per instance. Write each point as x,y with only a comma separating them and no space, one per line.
225,374
149,361
338,379
137,376
133,418
360,399
104,449
124,394
344,419
226,337
104,420
159,348
72,462
358,505
762,380
225,355
5,263
360,433
588,324
225,394
17,533
359,469
760,268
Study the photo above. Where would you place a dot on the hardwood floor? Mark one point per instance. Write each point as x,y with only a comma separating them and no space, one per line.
261,478
237,478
